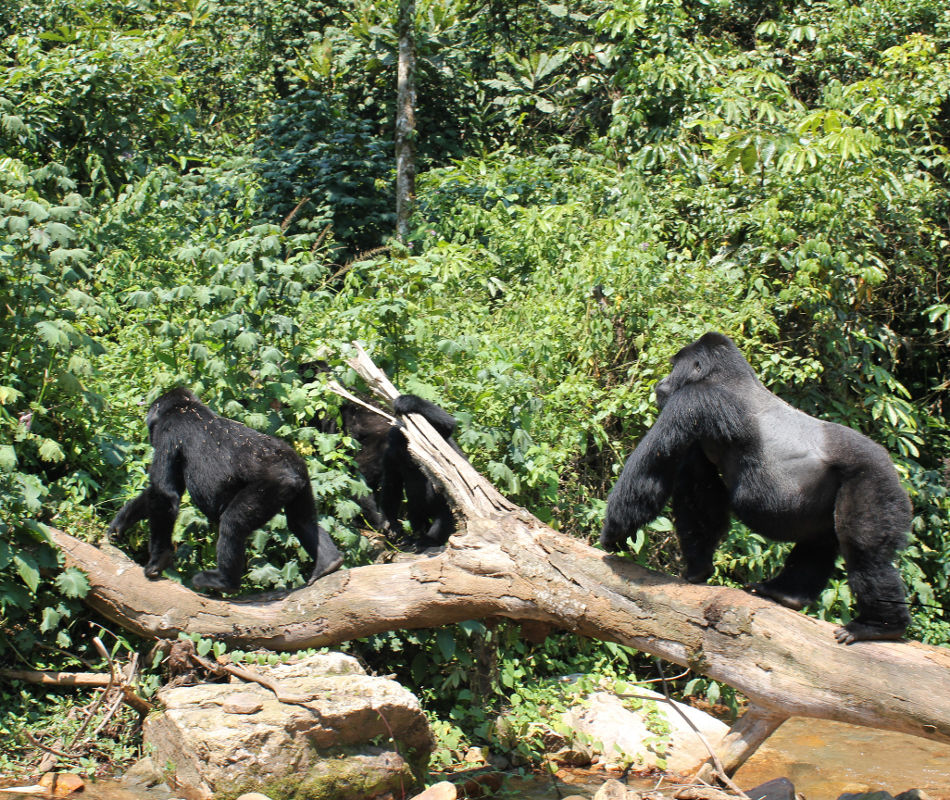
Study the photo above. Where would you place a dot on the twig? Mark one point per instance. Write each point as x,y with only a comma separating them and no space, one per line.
337,388
290,217
720,769
216,667
122,696
97,642
58,753
49,678
392,738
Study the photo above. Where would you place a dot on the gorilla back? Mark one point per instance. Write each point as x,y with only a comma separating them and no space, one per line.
236,476
724,443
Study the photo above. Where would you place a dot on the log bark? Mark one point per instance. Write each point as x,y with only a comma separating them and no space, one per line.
503,562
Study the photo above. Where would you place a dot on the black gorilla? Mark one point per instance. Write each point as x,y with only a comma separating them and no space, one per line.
371,433
429,514
389,471
238,477
723,441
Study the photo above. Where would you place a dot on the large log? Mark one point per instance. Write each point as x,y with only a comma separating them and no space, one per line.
503,562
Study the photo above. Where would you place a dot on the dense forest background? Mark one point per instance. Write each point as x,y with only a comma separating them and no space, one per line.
202,192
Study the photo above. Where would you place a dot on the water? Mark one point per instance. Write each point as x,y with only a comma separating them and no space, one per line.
824,759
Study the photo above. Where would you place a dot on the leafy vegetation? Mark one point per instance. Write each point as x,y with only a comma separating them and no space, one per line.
200,192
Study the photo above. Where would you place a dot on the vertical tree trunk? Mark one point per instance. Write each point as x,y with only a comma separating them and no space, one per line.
405,118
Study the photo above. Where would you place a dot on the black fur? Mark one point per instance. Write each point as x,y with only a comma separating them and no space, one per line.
371,433
389,471
238,477
429,514
724,442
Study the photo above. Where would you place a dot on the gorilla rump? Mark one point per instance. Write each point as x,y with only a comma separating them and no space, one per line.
236,476
724,442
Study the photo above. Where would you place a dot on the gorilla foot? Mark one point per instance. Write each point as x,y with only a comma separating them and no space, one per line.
795,602
158,564
212,581
698,574
611,540
864,631
323,570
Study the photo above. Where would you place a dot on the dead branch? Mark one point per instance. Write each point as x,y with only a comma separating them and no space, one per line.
502,561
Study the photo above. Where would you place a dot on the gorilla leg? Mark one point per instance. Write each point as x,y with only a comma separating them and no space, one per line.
301,514
879,599
131,513
807,570
374,517
701,513
162,513
417,502
248,510
443,523
871,522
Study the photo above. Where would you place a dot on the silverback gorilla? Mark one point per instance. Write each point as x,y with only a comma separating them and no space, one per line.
236,476
723,441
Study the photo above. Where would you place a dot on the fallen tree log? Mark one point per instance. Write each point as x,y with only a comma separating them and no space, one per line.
503,562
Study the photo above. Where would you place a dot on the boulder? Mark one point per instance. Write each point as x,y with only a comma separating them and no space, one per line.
350,736
651,736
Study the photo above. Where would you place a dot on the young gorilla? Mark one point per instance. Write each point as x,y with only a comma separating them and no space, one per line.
429,514
389,471
238,477
723,441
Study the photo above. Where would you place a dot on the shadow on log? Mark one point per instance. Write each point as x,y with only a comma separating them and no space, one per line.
504,562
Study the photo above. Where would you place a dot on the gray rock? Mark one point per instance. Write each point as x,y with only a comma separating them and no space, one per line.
612,790
654,735
776,789
880,795
227,739
145,773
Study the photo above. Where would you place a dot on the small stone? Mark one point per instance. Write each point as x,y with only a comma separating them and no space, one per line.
879,795
776,789
144,772
611,790
474,755
253,796
913,794
242,703
60,784
443,790
571,757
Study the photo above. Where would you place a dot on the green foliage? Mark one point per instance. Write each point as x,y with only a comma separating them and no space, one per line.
57,82
322,166
100,737
186,187
47,408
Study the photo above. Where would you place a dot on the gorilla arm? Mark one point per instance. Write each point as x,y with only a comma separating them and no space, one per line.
648,476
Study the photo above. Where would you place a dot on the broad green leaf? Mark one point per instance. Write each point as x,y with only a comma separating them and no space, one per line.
50,451
9,395
27,570
749,158
50,620
446,641
52,334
